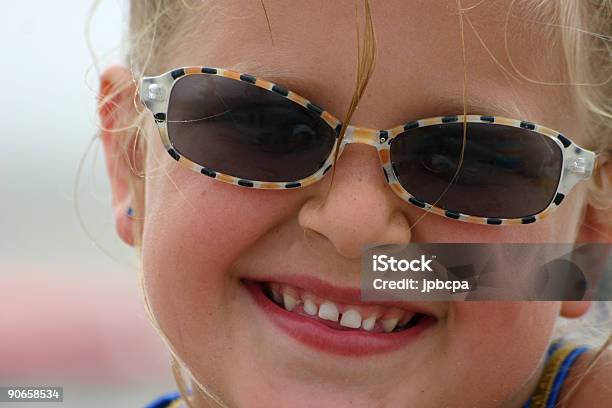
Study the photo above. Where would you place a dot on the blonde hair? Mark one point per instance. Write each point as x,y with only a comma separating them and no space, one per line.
585,33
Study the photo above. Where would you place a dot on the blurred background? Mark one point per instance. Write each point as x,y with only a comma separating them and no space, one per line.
71,314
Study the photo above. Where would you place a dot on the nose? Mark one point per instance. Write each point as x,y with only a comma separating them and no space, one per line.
358,208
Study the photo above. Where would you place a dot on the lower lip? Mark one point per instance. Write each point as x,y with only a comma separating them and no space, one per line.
342,342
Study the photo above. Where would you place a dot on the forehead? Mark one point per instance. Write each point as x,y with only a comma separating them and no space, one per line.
311,48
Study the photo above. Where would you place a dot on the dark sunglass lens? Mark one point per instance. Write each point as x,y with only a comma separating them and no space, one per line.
506,172
239,129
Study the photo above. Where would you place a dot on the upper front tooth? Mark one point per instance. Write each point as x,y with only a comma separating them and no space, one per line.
351,318
310,307
368,324
389,324
289,301
328,311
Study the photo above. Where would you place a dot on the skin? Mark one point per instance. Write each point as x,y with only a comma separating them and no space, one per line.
198,242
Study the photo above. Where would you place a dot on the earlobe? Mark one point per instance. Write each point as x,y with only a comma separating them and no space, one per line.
573,309
117,114
124,217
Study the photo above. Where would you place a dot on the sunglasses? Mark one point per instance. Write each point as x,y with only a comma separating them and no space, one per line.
247,131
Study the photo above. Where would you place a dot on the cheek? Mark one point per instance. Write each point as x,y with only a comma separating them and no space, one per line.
206,220
559,226
506,339
194,229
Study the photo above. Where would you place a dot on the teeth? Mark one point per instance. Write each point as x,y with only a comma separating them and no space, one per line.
351,318
389,324
289,301
310,307
368,324
277,297
328,311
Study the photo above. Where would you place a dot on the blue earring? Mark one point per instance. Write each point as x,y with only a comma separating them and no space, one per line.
130,212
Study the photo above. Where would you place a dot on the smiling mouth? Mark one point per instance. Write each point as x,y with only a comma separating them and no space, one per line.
375,319
333,319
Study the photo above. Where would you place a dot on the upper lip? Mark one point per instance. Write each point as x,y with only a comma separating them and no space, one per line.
341,294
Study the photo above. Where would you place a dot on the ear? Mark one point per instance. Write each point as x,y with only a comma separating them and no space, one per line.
596,225
117,113
573,309
597,221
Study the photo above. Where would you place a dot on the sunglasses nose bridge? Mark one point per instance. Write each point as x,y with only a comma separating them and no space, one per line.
372,137
355,134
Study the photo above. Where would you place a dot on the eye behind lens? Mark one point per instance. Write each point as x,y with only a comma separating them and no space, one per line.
500,172
237,128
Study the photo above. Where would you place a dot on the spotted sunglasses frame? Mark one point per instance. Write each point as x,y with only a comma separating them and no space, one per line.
155,94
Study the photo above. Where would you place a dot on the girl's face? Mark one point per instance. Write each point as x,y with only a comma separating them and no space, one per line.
204,241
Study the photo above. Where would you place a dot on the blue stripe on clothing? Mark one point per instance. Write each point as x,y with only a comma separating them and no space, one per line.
560,377
164,400
554,347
